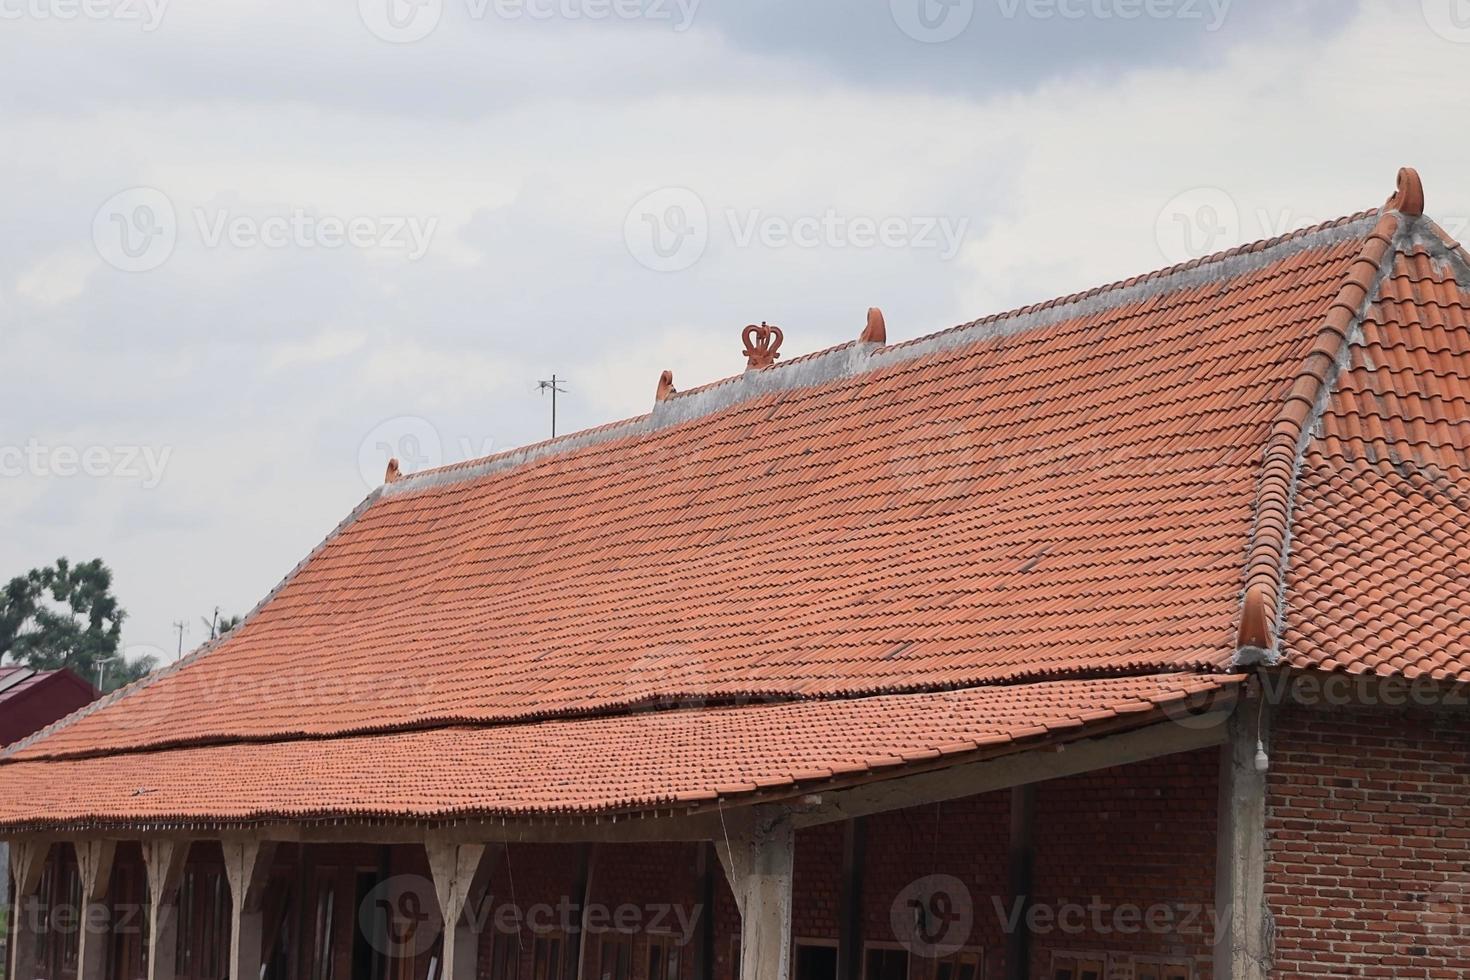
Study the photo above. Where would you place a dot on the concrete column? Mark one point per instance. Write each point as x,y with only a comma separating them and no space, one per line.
164,860
247,866
460,874
1243,947
94,867
27,860
759,857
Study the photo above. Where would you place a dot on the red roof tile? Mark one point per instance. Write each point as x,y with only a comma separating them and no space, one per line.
1378,573
1082,489
1064,491
642,761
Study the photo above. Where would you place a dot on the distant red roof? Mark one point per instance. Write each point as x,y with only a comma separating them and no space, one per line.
32,699
1163,476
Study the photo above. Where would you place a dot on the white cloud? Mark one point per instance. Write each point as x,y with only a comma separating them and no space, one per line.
265,369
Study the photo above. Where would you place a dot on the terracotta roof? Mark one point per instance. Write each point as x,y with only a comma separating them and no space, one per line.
1379,579
1061,491
1154,476
661,759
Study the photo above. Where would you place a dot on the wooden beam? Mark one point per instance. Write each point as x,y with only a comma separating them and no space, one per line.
759,858
460,873
1243,947
589,871
247,867
1022,858
705,865
164,861
850,900
27,862
94,868
990,775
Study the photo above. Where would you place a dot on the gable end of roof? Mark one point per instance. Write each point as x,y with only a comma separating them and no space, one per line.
1263,603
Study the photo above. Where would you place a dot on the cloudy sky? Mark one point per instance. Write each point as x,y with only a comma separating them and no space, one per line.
253,246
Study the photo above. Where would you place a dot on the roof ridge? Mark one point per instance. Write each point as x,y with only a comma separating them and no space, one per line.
857,357
1158,275
1258,632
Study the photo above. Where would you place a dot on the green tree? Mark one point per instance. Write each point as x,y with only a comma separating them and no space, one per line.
65,615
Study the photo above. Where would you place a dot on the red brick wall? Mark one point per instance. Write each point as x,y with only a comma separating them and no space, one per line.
1368,850
968,839
1136,837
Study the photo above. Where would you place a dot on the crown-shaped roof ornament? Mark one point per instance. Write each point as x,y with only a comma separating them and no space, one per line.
762,345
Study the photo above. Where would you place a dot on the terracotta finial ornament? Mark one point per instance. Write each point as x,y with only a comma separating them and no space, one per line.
1409,198
876,332
394,474
761,345
666,389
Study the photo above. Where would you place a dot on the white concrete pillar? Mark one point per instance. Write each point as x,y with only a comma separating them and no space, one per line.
94,867
27,861
1243,947
759,858
247,867
460,874
164,861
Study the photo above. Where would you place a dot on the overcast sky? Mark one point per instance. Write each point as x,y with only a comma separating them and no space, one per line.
251,246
